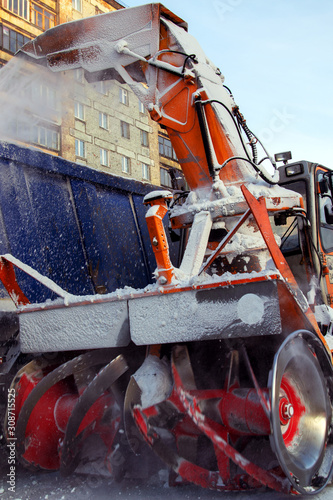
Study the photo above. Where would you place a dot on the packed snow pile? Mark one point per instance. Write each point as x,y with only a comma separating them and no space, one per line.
155,381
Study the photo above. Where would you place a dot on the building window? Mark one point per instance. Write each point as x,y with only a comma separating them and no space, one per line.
125,164
103,120
78,75
141,107
46,137
18,7
79,110
18,129
165,178
43,95
123,96
77,5
145,171
144,138
104,157
324,213
125,130
11,40
80,149
101,87
42,17
165,148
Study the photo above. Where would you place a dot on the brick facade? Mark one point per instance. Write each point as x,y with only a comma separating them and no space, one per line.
92,124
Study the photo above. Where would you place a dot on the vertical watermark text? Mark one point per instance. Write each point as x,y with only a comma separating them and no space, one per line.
11,441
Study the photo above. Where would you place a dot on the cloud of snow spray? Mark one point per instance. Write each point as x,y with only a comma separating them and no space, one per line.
30,98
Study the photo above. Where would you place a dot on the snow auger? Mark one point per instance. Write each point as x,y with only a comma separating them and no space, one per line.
222,369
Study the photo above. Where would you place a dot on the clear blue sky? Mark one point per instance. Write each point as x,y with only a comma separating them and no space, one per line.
277,57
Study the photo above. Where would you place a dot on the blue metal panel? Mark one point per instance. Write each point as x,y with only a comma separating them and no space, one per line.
21,228
41,229
59,234
114,254
82,228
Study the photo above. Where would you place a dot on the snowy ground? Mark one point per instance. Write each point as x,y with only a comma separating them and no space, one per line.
51,486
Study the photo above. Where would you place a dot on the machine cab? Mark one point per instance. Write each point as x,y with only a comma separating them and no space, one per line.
307,237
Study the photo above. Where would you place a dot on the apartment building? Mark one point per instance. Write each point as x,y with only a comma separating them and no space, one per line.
101,125
111,131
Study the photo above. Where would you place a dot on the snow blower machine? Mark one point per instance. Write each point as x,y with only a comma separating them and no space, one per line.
221,371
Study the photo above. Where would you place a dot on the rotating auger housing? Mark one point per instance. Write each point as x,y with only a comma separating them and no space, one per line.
220,369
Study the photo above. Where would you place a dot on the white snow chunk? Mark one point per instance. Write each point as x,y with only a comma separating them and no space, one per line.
154,379
324,314
250,308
